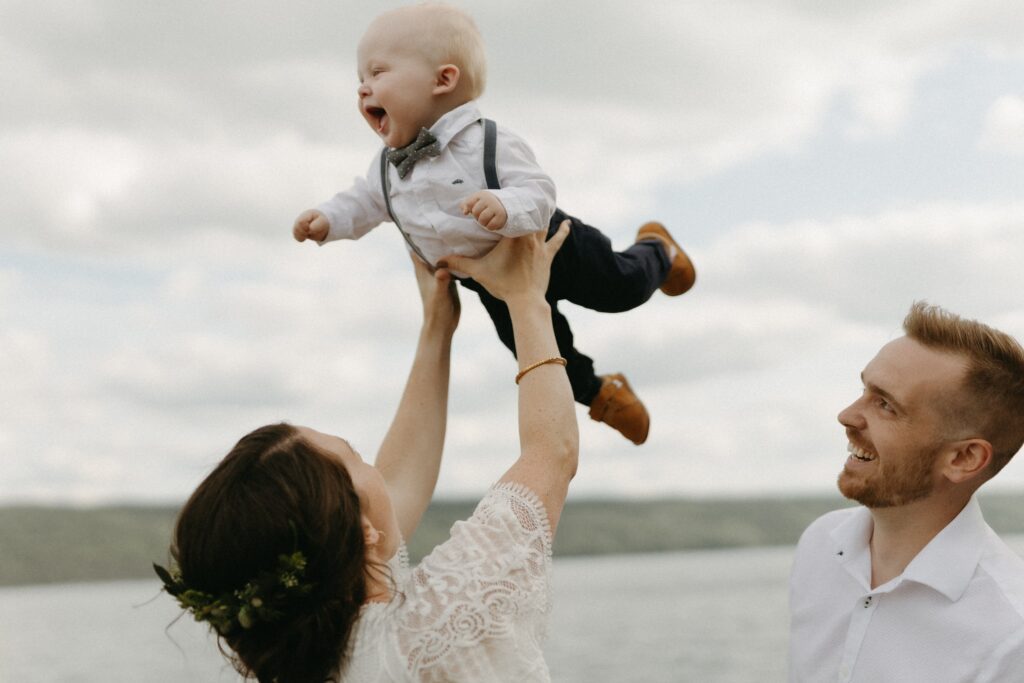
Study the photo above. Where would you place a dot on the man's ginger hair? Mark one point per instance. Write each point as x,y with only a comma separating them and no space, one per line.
991,401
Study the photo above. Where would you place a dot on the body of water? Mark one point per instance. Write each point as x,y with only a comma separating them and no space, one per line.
716,616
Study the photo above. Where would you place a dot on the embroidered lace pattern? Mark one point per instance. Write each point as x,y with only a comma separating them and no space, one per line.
475,609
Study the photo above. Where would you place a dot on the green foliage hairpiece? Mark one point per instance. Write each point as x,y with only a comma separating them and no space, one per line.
261,600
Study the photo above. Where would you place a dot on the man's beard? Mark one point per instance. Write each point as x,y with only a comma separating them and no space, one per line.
910,480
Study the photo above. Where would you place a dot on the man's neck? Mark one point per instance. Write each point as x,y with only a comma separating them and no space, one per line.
901,532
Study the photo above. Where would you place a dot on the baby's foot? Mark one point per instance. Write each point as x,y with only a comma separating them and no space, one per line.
618,407
682,274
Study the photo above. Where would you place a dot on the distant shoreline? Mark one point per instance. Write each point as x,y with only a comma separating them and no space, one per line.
42,544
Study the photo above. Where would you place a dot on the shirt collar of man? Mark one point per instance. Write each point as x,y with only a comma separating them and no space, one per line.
946,564
454,122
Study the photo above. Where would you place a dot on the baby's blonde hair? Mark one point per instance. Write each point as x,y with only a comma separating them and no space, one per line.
448,36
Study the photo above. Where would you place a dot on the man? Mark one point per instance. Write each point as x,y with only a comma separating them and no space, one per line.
914,585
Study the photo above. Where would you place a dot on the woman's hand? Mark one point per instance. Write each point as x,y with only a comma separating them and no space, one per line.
440,299
516,266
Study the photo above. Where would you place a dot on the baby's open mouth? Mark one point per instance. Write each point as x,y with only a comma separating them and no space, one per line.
859,453
378,116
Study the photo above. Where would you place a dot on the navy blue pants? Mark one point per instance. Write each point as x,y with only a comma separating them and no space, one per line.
589,273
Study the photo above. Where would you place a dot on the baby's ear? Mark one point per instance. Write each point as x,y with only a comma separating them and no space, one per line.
447,79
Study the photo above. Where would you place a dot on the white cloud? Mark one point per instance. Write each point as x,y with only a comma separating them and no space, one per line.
683,91
168,120
154,307
138,391
93,188
1003,131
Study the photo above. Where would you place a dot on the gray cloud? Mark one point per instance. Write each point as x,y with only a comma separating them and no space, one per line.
154,307
179,118
743,377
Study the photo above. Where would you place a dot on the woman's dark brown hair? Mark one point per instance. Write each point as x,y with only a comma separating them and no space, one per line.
273,494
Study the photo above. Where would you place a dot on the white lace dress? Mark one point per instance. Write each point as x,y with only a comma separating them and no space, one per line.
475,609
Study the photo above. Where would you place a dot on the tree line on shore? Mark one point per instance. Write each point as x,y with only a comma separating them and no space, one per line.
66,544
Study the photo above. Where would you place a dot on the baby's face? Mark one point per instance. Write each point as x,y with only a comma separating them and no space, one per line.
396,83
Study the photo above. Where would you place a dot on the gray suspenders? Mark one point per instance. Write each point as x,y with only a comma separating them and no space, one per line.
386,184
490,147
490,173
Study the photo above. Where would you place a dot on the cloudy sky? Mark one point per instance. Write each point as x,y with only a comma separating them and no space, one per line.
825,163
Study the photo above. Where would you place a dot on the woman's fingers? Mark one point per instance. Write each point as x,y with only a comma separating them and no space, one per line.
424,277
438,294
513,264
555,243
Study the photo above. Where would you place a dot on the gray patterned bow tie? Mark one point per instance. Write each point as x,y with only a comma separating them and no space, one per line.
404,158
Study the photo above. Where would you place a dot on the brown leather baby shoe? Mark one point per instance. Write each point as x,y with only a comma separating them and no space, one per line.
682,274
618,407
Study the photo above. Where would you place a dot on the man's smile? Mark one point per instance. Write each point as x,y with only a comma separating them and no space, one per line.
858,453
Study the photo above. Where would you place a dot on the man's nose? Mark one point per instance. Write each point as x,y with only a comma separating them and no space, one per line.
852,416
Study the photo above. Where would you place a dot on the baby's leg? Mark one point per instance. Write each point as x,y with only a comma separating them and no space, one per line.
607,281
580,368
590,273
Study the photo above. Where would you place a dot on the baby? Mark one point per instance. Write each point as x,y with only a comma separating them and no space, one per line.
455,184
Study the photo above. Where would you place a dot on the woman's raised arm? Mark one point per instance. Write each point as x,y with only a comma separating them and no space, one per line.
410,455
517,272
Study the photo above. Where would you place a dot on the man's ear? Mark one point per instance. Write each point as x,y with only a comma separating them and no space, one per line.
447,79
970,458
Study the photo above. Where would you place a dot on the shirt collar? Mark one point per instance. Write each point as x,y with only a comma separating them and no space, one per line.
851,545
454,122
949,560
946,564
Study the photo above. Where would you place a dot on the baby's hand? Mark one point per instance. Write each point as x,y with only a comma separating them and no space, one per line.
486,208
312,225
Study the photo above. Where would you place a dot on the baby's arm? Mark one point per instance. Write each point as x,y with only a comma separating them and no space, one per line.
526,200
349,214
311,224
486,208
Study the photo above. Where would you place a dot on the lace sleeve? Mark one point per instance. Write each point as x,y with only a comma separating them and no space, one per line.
476,607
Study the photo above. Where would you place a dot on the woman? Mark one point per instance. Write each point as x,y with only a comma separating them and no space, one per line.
292,548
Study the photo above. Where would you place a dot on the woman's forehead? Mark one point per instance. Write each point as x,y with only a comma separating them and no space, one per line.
327,442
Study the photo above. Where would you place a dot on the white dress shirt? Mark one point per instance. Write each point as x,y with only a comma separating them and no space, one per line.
955,614
427,200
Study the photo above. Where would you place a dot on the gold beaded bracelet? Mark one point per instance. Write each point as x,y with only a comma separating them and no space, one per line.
558,359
